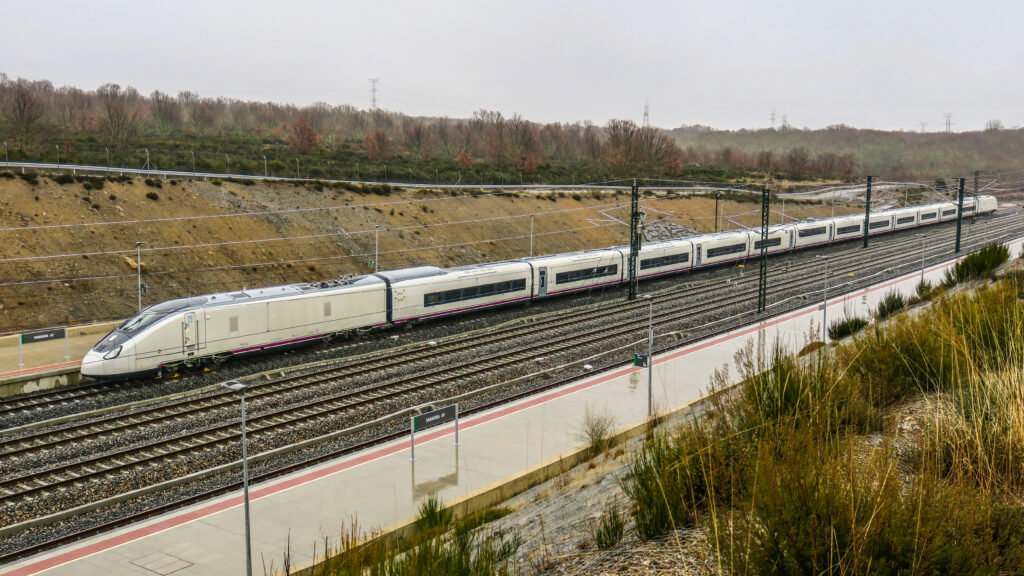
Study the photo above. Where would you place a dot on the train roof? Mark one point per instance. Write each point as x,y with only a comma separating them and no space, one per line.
411,273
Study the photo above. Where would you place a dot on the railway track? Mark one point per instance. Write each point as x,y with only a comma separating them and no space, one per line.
625,321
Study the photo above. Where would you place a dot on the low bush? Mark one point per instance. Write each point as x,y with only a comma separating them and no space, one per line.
96,183
153,183
6,174
610,528
433,514
596,431
978,264
892,303
216,182
846,327
152,195
63,179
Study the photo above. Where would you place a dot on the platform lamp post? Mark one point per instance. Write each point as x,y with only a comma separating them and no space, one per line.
650,354
824,303
237,386
922,237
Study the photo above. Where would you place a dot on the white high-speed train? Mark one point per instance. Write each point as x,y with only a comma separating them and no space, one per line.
209,328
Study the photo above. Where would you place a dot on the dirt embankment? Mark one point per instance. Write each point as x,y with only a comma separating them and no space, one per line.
68,250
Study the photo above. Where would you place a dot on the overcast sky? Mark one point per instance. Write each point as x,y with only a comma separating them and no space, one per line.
886,64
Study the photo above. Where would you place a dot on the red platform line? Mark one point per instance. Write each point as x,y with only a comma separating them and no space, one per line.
40,369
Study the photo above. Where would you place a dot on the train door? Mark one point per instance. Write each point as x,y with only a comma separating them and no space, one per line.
698,256
542,281
190,334
791,245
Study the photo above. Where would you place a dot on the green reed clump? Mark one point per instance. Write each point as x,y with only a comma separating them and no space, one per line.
977,434
610,529
846,327
892,303
817,510
978,264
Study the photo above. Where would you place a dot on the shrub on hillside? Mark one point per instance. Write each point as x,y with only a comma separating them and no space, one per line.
63,179
846,327
892,303
152,195
978,264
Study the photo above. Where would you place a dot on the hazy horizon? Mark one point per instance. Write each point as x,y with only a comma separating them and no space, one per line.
877,65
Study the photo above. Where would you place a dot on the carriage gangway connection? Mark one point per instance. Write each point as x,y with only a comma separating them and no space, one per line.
382,488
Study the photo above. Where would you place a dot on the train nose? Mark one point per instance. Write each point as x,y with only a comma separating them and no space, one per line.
93,364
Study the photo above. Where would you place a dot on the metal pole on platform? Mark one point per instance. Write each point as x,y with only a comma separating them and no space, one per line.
456,424
376,247
650,354
21,361
824,303
67,346
922,237
412,439
237,386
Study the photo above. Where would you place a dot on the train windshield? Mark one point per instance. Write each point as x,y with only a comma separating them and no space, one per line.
140,321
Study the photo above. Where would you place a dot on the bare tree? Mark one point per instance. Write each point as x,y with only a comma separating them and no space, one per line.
120,107
416,138
443,134
166,113
23,108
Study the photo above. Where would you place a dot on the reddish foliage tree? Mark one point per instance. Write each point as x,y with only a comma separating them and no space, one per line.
303,138
378,146
464,159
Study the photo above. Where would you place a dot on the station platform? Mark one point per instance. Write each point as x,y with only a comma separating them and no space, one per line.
381,487
28,363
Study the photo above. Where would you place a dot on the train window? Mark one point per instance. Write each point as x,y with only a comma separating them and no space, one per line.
233,324
664,261
968,208
327,309
730,249
586,274
928,216
905,220
770,242
848,229
471,292
812,232
879,224
949,212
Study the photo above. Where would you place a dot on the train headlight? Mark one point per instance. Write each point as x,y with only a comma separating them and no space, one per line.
112,354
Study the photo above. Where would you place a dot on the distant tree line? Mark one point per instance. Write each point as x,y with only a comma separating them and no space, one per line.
39,121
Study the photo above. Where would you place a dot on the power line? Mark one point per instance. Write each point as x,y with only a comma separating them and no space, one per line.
156,249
